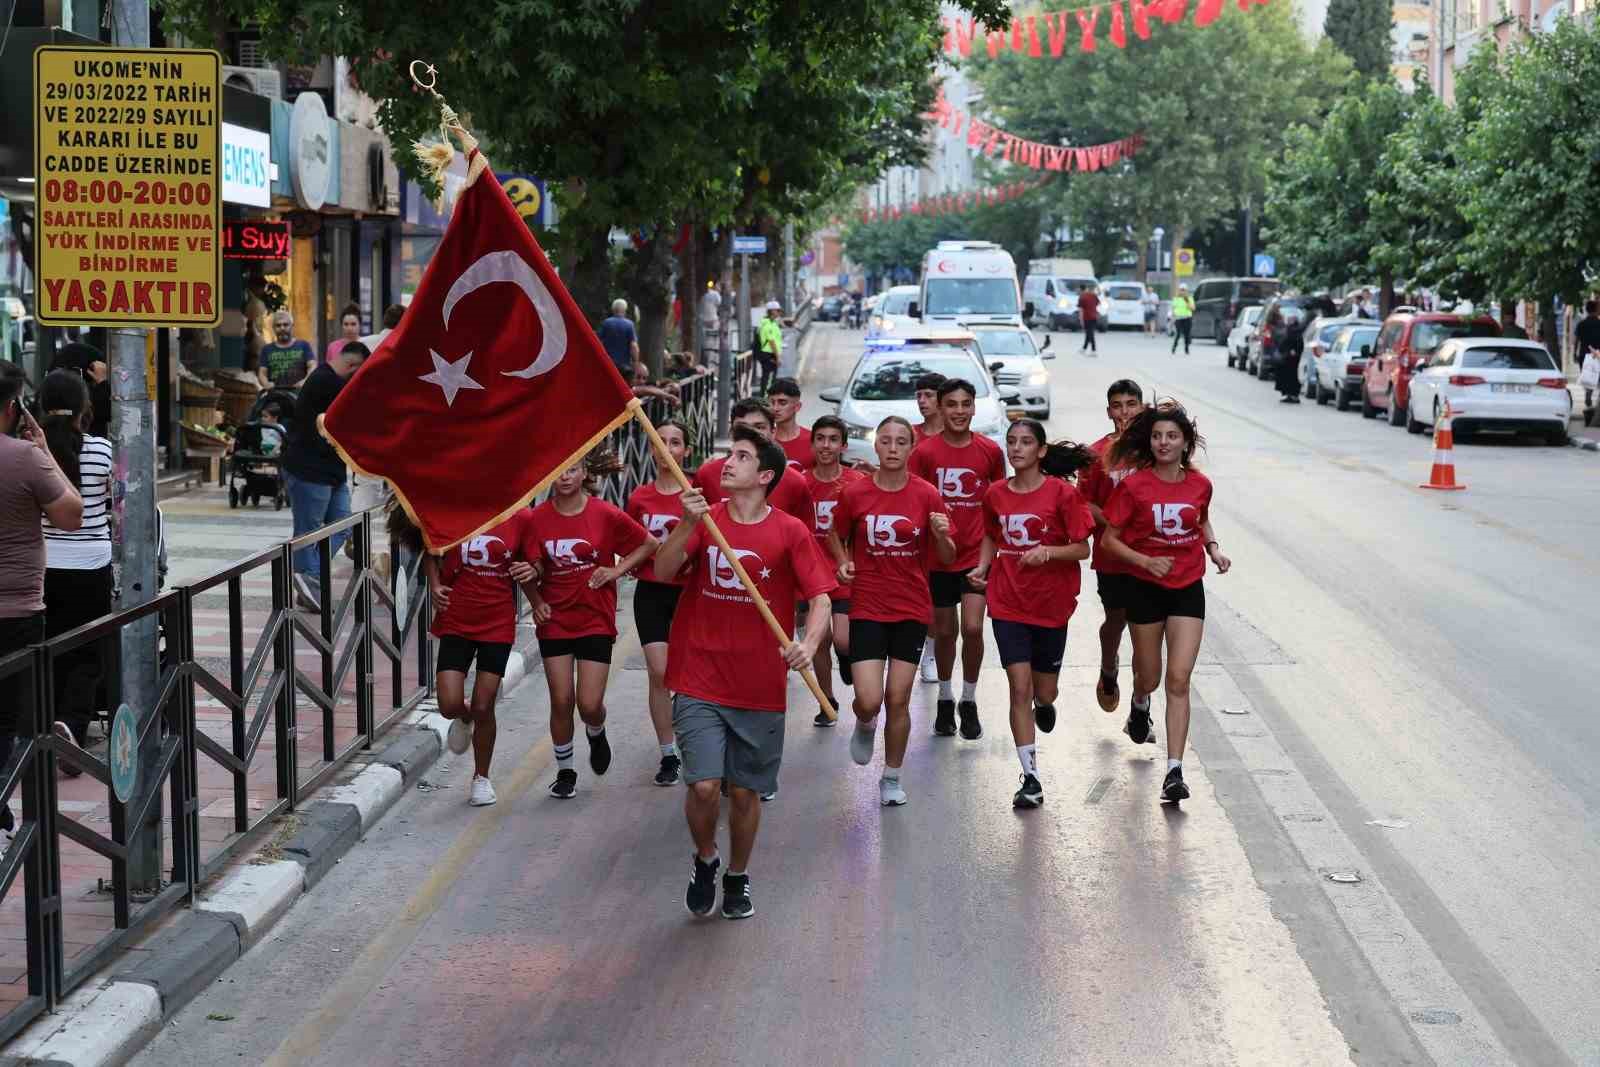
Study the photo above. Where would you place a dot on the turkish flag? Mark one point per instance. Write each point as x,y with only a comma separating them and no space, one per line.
491,385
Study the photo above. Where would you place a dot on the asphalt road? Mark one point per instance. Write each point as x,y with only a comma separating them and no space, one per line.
1390,856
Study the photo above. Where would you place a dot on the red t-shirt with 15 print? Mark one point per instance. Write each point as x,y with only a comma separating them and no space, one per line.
891,546
1052,515
477,572
571,547
961,474
824,498
1096,484
1160,518
658,513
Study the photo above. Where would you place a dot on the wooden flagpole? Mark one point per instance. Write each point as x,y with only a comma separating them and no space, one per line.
784,640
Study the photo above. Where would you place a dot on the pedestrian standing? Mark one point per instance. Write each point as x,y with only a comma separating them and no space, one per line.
729,677
585,544
769,344
783,400
710,316
1159,522
961,465
1124,402
886,531
827,480
32,488
1151,303
1089,316
349,330
89,362
621,341
286,359
789,495
1182,318
314,474
1290,349
1588,344
658,507
1036,529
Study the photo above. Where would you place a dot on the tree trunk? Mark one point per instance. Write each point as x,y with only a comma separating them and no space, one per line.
590,281
1385,294
647,283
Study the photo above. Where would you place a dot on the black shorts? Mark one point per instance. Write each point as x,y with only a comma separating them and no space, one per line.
948,587
457,653
1113,589
596,648
1149,602
872,640
1041,647
841,607
654,604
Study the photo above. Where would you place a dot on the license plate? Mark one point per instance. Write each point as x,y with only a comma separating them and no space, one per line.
1502,387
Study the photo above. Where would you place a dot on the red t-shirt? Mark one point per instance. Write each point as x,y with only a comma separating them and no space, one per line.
1096,484
919,433
477,572
788,495
720,649
1088,307
824,497
572,546
658,513
892,547
1053,514
801,457
961,475
1161,518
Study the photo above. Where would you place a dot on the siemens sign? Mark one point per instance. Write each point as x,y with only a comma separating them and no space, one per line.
246,166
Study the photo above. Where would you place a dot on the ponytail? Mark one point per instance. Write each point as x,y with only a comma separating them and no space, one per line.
64,405
1064,459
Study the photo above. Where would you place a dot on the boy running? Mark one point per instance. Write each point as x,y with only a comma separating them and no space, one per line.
1124,402
783,400
827,480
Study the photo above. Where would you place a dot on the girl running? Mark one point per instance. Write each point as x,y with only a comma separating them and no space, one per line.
658,507
575,610
890,521
1036,529
1159,521
826,480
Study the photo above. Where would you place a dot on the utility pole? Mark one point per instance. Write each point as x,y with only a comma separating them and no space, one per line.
787,299
725,342
1249,260
744,303
133,433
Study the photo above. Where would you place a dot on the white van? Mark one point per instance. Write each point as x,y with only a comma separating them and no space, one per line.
967,283
1054,298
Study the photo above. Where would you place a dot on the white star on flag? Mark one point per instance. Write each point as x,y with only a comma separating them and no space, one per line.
450,377
765,574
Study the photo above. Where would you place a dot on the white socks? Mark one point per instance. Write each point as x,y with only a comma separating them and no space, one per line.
564,757
594,731
947,689
669,749
969,690
1029,757
1171,763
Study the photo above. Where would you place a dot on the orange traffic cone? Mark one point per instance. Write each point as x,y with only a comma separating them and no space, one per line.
1444,464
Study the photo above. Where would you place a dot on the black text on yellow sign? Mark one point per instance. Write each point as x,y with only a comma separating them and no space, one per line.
127,148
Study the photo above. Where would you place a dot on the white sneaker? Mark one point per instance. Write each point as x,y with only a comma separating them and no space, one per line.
890,793
459,739
930,669
482,792
861,742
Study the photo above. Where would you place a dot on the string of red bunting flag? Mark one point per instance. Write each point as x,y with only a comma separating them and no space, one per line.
993,141
1036,35
952,203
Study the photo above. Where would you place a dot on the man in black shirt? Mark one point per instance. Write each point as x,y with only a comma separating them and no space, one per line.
1589,342
319,490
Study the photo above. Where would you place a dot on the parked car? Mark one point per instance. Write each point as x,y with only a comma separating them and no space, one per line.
1278,316
1054,298
1320,333
893,311
1340,367
1218,301
1123,305
1016,360
1407,339
1491,383
831,309
1239,336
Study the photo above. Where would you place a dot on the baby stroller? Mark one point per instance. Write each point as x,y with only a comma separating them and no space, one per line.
254,471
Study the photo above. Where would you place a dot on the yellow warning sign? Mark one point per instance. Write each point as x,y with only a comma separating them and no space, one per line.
127,148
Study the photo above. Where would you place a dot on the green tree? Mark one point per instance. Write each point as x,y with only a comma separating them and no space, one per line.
1364,31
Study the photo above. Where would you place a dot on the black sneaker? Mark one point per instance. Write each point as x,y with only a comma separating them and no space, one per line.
1044,717
971,728
823,720
668,774
702,894
1138,725
1031,795
599,753
565,785
1173,788
736,902
944,720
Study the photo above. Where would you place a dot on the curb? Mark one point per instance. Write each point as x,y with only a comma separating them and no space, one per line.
108,1019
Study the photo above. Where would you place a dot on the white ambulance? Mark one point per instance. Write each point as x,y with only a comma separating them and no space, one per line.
966,283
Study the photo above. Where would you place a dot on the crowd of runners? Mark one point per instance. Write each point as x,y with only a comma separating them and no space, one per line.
883,571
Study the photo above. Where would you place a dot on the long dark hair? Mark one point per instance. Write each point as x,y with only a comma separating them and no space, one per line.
64,408
1063,459
405,532
1132,446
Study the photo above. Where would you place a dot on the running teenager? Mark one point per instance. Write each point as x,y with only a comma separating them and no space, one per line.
893,524
580,540
728,674
827,479
1159,522
783,400
961,465
475,620
788,495
1036,529
932,425
658,507
1124,401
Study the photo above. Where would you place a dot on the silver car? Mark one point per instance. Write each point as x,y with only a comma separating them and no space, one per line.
1017,360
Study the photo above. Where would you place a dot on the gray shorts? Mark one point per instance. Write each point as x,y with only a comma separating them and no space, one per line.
742,746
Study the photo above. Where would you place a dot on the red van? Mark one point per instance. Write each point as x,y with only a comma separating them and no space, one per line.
1404,344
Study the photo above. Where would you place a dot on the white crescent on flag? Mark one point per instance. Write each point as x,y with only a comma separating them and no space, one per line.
509,267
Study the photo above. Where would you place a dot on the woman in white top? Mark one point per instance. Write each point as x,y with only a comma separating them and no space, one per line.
77,577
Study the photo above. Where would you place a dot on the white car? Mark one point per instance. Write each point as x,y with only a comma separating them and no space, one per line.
1491,383
1124,305
893,311
1340,367
1016,360
884,383
1239,336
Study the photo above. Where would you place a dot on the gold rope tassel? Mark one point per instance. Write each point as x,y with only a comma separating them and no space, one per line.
435,157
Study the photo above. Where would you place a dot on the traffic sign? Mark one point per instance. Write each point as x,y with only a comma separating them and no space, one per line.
1265,266
1185,262
122,753
749,246
127,151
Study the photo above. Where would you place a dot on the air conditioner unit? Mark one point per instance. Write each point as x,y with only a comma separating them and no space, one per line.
263,81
